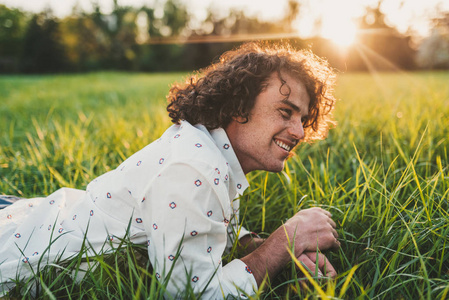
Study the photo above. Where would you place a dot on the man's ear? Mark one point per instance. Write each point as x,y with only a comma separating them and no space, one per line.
240,119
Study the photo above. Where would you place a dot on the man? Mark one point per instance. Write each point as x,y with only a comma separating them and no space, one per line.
178,195
263,98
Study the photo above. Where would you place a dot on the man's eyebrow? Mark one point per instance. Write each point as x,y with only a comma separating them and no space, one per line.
291,104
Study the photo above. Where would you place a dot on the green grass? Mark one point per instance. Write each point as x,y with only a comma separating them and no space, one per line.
383,173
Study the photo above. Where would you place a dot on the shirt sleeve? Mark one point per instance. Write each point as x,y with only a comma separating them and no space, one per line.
236,230
186,210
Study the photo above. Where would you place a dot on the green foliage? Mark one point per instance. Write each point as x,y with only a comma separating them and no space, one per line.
165,36
43,50
382,172
12,29
127,38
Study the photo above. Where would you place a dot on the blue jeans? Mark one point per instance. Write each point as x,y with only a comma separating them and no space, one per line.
6,200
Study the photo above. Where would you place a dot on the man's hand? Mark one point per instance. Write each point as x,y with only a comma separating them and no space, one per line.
312,228
325,269
308,229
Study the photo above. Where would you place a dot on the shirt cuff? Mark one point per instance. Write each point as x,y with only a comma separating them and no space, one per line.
238,279
243,232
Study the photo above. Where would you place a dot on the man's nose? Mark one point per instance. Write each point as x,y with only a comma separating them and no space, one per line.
296,130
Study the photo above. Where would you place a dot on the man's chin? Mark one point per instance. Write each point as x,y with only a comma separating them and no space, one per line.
277,169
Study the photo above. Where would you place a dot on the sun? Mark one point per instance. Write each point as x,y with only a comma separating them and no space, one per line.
341,32
331,19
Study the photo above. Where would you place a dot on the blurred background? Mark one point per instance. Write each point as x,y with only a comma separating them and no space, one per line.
50,36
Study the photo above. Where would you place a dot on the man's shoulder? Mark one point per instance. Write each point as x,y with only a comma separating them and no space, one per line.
180,144
194,144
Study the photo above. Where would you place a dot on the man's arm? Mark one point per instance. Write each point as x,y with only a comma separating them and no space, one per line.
249,243
306,231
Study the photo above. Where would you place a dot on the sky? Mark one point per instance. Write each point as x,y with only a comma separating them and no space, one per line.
265,8
337,16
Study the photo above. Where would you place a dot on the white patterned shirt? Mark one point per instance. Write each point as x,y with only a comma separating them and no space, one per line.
178,196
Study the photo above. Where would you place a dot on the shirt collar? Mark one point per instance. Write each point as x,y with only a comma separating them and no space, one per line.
221,139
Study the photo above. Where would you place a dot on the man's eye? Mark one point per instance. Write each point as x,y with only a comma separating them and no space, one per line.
286,113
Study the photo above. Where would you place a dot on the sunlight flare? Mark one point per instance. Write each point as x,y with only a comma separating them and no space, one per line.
341,32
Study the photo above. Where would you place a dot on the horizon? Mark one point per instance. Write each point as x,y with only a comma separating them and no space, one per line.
326,18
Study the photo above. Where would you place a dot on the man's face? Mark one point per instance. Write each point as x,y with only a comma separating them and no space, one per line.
274,126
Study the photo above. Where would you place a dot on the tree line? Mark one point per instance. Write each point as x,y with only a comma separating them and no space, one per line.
138,39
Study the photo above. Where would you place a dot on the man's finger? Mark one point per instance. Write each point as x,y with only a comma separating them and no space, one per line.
332,223
327,268
327,213
305,259
323,264
335,233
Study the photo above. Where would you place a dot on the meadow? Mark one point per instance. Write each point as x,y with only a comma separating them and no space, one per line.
383,172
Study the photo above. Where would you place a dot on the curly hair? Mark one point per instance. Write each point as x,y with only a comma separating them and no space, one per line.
228,88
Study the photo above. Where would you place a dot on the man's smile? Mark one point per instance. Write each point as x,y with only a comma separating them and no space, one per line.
283,145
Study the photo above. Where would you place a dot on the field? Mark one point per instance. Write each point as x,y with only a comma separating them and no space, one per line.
383,172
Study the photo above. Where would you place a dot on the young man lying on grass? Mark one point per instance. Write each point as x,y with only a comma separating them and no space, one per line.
246,112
